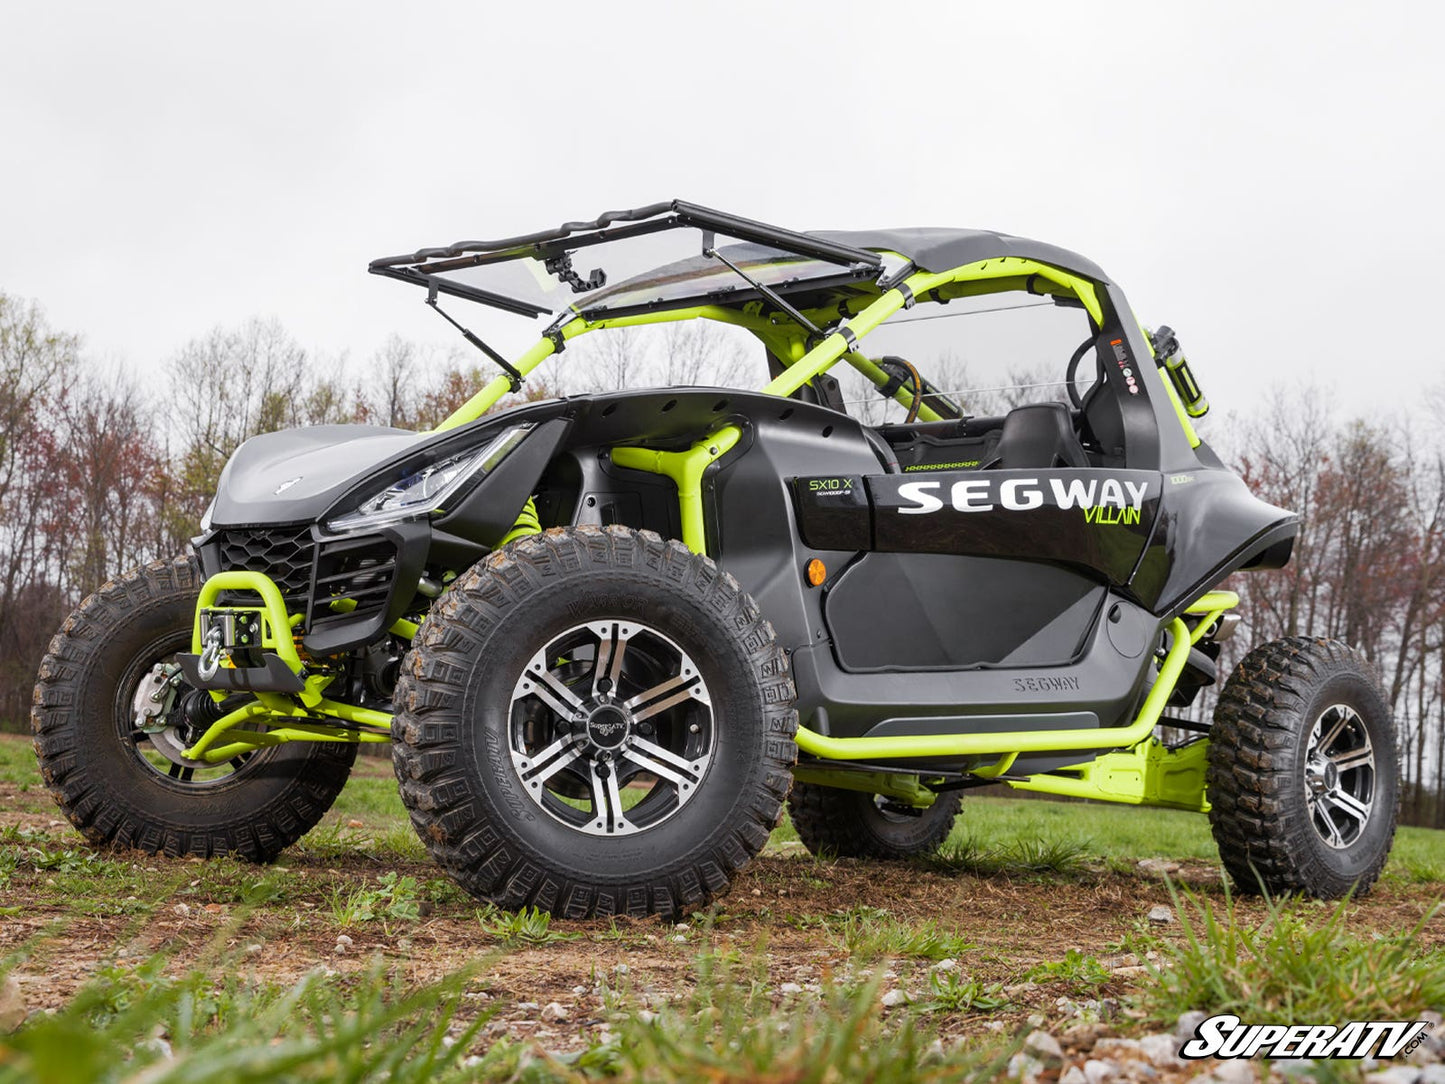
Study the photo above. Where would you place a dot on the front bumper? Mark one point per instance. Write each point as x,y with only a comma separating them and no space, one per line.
244,647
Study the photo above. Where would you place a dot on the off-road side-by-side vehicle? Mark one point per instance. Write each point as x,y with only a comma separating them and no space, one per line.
610,635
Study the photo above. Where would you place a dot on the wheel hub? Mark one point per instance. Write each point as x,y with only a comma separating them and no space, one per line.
608,727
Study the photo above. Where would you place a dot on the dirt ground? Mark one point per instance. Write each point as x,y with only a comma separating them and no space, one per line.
783,917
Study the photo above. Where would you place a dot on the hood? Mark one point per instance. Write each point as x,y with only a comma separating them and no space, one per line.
295,475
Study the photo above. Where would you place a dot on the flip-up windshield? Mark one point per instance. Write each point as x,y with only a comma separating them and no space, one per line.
632,261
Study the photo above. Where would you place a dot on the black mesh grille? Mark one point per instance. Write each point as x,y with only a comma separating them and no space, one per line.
283,553
353,579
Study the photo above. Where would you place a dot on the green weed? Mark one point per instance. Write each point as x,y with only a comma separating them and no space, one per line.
528,926
1079,972
951,992
727,1030
393,898
317,1030
1026,856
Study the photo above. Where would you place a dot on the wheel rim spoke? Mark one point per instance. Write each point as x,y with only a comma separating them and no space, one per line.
551,691
663,704
657,768
549,762
1354,758
641,746
680,681
1350,806
1343,717
611,648
606,801
1326,824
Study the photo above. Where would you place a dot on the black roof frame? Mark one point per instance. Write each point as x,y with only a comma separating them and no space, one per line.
423,266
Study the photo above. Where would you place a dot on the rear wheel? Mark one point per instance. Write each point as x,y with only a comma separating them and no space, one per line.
851,824
1303,778
112,715
594,721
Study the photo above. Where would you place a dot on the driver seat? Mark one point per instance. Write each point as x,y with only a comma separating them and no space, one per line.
1039,436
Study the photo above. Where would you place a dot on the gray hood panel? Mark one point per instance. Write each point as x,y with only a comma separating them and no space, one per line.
311,467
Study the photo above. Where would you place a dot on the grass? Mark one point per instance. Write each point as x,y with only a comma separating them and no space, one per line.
869,933
951,991
715,1018
1024,856
1081,973
1303,961
141,1023
727,1030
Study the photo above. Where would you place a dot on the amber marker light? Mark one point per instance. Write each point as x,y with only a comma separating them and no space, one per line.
817,572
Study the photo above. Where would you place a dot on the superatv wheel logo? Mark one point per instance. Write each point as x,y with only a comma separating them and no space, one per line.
1108,500
1226,1036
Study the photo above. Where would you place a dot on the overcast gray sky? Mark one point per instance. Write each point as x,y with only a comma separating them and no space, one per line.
1266,177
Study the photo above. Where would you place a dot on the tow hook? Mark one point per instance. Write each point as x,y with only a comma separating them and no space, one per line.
210,655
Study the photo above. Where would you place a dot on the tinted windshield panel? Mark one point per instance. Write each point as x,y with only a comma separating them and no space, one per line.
655,268
702,277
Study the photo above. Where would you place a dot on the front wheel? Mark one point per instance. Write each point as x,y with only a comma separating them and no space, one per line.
594,721
1303,779
113,715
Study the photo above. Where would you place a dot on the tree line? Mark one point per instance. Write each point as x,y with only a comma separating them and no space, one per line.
99,472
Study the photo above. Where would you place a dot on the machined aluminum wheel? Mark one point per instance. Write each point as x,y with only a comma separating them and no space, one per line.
1304,782
112,719
594,721
612,728
1340,775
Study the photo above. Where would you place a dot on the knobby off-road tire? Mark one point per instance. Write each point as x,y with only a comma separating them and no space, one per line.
525,803
851,824
1303,779
116,786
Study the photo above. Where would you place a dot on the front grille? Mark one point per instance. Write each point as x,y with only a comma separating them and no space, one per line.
286,554
353,576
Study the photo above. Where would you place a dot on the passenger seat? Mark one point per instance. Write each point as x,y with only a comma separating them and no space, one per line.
1039,436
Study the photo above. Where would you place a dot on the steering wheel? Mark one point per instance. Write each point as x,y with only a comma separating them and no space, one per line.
1071,374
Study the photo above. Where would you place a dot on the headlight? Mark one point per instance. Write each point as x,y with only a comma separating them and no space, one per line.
427,489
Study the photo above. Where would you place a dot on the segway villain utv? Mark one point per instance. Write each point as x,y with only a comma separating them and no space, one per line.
610,635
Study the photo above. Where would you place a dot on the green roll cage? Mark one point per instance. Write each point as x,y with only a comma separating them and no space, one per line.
1139,770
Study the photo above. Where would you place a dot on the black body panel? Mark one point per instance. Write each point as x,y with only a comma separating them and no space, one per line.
311,467
1212,524
1101,687
1099,520
924,611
